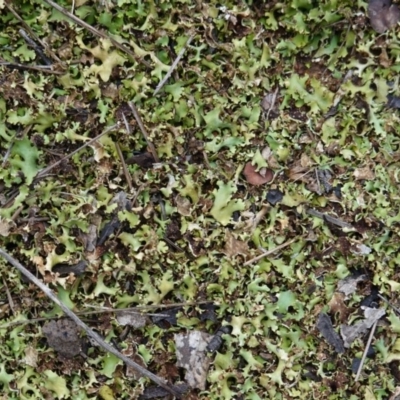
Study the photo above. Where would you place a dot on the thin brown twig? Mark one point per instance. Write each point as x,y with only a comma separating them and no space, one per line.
389,304
9,297
33,34
139,310
44,171
333,220
173,66
96,32
269,252
150,145
49,293
360,367
50,167
124,167
45,69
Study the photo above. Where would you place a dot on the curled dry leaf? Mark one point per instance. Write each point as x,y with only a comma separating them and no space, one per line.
383,15
265,175
269,157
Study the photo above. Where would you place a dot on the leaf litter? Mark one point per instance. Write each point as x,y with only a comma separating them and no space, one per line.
263,173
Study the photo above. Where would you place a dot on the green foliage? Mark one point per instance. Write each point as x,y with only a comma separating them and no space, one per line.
331,75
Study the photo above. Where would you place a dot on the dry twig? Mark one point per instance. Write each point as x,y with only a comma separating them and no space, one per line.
49,293
96,32
33,34
139,310
332,220
44,69
173,66
269,252
35,47
371,335
124,167
390,304
50,167
150,145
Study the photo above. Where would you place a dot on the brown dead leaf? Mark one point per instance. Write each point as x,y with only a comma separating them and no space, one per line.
233,246
31,356
183,205
364,173
297,172
383,15
265,175
89,239
269,157
396,394
337,306
5,227
98,150
305,161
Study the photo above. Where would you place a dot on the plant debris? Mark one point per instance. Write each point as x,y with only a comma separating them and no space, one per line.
160,156
191,354
274,196
261,177
383,14
348,285
350,333
133,319
63,336
324,325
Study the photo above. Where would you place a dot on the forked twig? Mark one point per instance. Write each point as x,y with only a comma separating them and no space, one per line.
173,66
269,252
49,293
96,32
150,145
